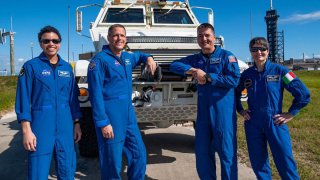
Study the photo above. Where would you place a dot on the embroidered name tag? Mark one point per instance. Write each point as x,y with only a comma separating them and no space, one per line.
127,62
273,78
215,60
63,73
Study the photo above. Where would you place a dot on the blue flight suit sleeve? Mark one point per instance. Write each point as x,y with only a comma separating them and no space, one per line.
300,93
139,58
230,76
23,94
181,66
96,72
238,94
74,101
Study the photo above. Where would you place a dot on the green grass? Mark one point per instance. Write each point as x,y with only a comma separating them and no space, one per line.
7,92
304,130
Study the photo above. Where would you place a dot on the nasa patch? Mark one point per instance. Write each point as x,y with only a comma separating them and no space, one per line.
117,63
45,72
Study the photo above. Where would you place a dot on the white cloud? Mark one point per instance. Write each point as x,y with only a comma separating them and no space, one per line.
21,59
302,18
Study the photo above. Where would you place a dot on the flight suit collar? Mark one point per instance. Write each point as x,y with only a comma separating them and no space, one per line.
266,66
107,49
44,58
215,53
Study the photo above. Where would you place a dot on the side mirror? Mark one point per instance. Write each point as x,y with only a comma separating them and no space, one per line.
79,21
2,36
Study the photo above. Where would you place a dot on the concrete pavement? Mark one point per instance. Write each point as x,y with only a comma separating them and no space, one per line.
170,155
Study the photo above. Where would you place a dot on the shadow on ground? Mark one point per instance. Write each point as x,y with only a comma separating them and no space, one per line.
13,160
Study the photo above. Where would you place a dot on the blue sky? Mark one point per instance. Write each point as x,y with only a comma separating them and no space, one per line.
300,21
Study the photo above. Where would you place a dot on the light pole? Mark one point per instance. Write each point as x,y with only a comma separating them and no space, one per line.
31,47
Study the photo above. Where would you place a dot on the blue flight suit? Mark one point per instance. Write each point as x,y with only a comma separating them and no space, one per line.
265,94
216,124
48,98
110,87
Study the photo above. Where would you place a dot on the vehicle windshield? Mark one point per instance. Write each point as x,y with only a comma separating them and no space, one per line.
132,15
173,17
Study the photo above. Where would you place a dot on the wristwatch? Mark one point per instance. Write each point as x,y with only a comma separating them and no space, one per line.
76,122
207,76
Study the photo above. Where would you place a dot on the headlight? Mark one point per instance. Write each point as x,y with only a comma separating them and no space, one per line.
83,95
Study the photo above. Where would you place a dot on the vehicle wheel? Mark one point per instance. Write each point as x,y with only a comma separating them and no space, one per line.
88,145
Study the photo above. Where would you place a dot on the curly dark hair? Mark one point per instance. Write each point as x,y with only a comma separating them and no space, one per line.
48,29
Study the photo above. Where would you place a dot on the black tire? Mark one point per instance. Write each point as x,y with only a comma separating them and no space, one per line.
88,145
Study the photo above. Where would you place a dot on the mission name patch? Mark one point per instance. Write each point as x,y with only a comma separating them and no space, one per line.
92,65
21,73
63,73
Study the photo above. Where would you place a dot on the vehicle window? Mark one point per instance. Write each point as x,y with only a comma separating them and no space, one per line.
162,16
132,15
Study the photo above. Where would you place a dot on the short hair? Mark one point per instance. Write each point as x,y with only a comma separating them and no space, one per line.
206,26
48,29
259,40
115,26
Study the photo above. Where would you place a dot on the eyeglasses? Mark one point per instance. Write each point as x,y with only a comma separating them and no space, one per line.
256,49
47,41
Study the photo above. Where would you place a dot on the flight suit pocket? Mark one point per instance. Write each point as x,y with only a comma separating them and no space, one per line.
42,82
64,86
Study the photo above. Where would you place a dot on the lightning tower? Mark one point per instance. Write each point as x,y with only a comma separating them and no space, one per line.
275,38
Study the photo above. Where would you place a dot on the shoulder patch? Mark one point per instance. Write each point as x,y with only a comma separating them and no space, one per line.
92,65
21,73
288,77
232,59
215,60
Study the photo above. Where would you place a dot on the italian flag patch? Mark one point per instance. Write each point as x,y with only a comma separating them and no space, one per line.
288,77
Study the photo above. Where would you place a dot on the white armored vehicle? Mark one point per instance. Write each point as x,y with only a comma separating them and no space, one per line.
165,29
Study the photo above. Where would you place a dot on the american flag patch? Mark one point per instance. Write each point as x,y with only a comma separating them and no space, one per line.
232,59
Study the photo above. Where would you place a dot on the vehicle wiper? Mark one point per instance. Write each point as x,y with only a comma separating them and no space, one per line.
174,6
122,11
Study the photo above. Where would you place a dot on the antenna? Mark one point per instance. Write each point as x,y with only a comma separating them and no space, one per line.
11,26
270,4
250,25
3,35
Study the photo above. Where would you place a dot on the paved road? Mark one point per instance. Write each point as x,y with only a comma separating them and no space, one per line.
170,155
